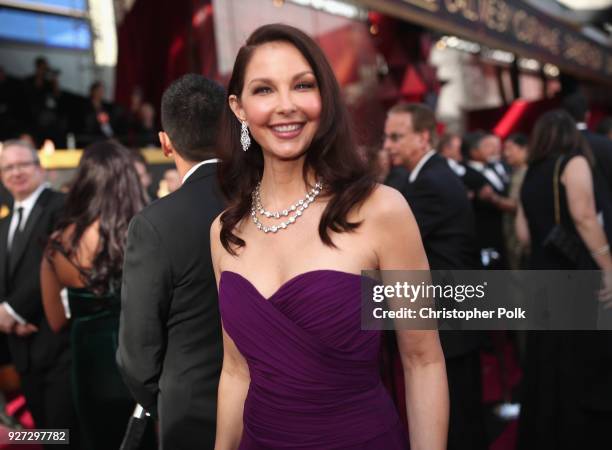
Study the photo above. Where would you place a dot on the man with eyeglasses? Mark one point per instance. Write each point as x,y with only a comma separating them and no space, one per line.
40,356
444,215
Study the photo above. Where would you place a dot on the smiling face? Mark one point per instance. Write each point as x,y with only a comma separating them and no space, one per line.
21,173
280,100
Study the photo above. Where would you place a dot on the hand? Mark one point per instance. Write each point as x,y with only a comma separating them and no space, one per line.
7,322
486,193
605,293
24,330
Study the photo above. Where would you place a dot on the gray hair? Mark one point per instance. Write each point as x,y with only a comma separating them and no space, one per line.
23,144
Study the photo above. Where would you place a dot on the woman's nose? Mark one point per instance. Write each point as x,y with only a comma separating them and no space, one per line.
286,102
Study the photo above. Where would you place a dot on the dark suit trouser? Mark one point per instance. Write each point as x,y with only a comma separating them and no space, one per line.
466,425
49,399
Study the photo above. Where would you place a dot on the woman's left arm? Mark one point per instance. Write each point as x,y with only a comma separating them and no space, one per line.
51,288
400,247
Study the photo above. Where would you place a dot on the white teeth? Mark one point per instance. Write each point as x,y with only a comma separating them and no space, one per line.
286,128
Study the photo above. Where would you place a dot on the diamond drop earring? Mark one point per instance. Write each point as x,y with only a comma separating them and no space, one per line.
245,139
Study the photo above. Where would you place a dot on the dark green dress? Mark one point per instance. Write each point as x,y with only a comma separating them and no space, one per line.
102,401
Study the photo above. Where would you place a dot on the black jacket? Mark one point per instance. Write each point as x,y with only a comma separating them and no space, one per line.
170,344
444,215
21,286
489,219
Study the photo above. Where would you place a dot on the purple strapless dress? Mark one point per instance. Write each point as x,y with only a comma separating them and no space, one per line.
315,381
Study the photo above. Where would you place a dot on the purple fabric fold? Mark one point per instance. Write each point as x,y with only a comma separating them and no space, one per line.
315,381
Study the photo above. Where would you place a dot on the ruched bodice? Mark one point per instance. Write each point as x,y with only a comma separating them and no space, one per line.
315,380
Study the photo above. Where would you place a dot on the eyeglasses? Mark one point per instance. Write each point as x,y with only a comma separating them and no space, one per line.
18,166
393,137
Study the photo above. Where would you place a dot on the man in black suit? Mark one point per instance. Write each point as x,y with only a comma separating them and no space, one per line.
41,356
170,347
489,194
435,193
442,210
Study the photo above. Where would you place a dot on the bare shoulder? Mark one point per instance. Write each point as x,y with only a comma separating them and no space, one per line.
87,247
215,227
216,249
578,163
386,205
577,172
393,230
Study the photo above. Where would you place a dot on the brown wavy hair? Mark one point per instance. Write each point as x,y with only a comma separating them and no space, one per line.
332,154
106,188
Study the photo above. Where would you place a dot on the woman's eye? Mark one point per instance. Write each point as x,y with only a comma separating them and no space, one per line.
305,85
262,90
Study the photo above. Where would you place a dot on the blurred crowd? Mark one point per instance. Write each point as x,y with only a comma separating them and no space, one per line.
492,171
538,202
38,109
481,202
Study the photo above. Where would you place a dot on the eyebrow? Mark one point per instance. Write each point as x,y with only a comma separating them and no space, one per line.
268,80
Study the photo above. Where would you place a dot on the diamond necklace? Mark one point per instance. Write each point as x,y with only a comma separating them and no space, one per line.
297,209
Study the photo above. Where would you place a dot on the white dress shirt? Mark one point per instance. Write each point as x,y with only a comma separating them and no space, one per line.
414,173
488,173
456,167
27,204
198,165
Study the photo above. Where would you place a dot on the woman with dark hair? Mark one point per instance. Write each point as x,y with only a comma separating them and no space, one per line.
567,397
304,218
515,155
85,255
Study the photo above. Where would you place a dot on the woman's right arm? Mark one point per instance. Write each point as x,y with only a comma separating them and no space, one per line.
235,378
578,183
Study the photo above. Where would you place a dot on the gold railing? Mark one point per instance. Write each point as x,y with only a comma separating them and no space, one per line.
69,159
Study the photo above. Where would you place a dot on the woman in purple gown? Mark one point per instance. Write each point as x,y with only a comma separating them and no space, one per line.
304,218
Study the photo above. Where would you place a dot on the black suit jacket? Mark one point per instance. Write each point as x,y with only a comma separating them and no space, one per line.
444,215
443,212
21,286
397,178
170,344
489,226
